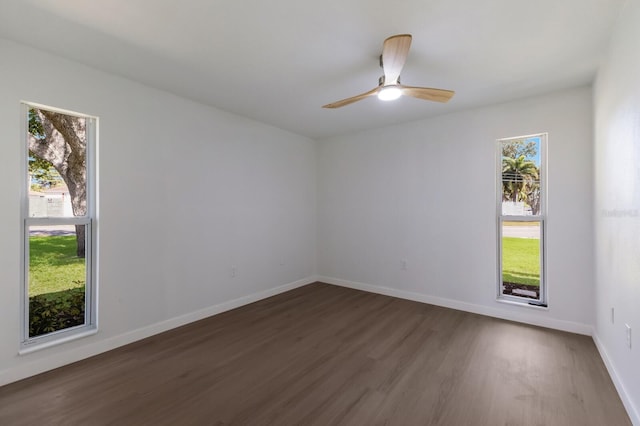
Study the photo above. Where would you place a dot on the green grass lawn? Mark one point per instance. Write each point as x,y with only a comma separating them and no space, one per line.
54,265
521,260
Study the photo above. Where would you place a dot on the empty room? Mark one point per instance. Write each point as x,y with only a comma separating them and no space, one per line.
341,212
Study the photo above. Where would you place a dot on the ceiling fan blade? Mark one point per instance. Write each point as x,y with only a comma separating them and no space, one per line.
394,54
427,93
352,99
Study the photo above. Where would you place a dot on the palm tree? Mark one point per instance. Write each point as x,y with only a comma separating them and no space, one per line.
517,175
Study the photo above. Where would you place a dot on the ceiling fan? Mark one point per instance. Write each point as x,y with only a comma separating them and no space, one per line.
394,54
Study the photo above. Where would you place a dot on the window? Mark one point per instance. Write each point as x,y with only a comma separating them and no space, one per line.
59,289
521,219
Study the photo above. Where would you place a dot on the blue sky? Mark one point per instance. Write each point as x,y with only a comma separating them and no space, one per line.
535,158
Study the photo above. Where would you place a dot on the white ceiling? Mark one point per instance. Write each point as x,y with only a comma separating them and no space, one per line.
279,61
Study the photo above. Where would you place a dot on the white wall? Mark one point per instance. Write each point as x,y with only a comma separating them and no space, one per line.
617,206
186,192
425,192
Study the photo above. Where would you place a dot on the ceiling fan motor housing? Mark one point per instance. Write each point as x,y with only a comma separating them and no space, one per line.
381,80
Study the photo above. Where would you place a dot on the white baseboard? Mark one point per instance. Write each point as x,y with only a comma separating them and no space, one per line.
60,359
632,410
523,317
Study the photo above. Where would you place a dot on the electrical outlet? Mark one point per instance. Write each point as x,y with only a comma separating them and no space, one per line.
403,264
613,316
628,335
233,271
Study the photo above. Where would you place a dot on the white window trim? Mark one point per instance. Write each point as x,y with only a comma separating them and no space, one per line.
543,302
90,327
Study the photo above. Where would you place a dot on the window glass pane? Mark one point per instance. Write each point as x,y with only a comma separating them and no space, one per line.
57,164
521,176
59,289
57,278
521,259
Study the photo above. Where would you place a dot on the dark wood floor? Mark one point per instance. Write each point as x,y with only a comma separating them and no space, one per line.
328,355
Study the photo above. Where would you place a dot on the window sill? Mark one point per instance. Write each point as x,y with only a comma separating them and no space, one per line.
34,347
523,304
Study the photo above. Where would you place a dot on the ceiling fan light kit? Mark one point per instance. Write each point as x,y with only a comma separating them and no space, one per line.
395,50
389,93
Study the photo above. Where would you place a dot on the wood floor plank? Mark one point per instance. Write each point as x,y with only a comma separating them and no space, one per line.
322,355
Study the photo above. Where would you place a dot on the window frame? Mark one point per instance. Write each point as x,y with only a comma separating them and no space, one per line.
90,326
541,218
